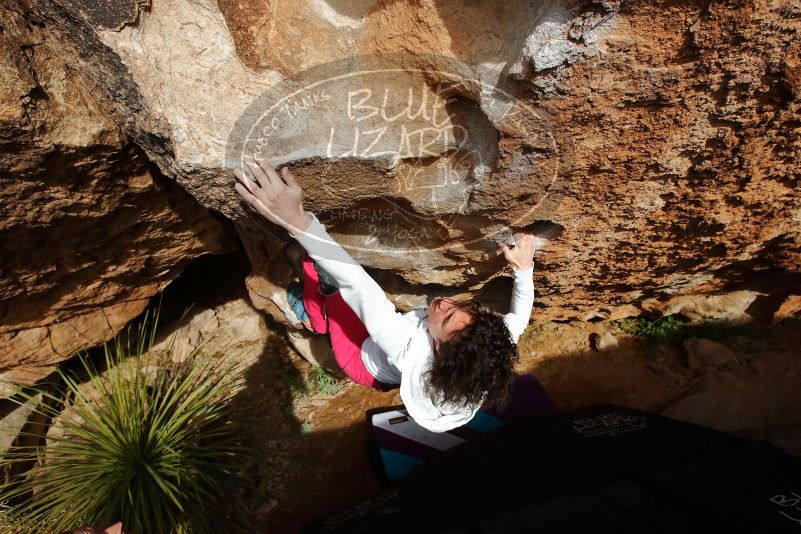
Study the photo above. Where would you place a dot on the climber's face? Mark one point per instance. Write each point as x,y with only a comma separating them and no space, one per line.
446,318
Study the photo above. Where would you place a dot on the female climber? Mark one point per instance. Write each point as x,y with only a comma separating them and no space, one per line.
449,359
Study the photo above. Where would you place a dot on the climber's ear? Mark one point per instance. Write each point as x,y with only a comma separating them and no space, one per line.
436,346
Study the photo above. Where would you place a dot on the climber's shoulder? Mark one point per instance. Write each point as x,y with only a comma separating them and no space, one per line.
417,315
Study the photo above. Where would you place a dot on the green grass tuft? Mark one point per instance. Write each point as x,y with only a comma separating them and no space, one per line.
670,330
157,450
295,383
306,427
661,330
317,380
321,380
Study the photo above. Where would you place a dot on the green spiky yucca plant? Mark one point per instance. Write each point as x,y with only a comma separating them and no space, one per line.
159,452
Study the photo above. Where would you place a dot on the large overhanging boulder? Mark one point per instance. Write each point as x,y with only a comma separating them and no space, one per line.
90,231
655,142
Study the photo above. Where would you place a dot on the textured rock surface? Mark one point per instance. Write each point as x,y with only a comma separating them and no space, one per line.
202,328
89,230
19,426
726,402
704,353
660,139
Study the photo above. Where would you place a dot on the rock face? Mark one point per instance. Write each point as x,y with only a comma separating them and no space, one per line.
89,229
237,319
705,353
655,142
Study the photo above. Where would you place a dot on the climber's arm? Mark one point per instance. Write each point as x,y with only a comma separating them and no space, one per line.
521,259
282,203
522,302
365,297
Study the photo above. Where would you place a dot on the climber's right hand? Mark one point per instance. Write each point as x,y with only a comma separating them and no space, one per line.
279,201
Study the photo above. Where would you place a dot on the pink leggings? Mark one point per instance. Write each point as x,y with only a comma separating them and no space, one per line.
346,331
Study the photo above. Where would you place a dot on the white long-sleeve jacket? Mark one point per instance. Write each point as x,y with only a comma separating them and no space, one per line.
400,349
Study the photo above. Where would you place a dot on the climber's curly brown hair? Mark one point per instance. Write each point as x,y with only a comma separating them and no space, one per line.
477,360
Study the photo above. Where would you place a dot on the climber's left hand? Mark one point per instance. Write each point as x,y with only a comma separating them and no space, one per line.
521,255
278,200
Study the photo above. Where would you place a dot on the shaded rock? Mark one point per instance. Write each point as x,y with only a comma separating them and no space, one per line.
232,326
267,507
704,353
790,306
787,437
605,341
725,401
730,308
21,427
267,284
314,348
188,333
15,416
11,379
623,312
89,229
758,366
667,372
